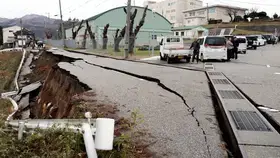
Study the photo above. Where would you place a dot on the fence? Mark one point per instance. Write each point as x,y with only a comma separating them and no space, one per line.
59,43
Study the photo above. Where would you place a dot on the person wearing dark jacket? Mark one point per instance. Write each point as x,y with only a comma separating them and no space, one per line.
235,47
196,47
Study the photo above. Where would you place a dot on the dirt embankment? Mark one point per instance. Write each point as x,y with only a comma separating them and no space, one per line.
56,93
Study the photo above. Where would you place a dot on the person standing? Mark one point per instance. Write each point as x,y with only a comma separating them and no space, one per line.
196,47
235,47
229,49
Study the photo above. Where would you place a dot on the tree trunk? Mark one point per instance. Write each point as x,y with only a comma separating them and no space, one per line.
84,39
117,42
94,45
105,41
131,45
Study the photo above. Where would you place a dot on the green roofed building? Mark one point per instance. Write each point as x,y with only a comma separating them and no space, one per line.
155,24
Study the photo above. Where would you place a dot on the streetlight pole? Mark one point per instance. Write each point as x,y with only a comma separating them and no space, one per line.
153,35
62,27
127,34
21,33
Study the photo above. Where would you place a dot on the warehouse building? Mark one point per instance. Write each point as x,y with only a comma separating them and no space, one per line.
155,26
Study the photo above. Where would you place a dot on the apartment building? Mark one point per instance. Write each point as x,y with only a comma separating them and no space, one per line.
172,10
199,16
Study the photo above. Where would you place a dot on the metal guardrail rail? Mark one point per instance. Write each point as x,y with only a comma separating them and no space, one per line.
245,124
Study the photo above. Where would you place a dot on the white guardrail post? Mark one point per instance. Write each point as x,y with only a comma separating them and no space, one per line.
102,128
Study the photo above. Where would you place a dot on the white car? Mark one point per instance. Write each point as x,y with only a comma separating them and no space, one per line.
213,47
242,40
172,48
261,40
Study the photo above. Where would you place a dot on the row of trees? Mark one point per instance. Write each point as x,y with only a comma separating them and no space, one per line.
118,37
253,14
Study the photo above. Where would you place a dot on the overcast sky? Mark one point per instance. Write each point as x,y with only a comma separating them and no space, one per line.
86,8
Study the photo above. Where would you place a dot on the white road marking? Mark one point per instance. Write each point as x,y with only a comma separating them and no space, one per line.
268,109
268,66
277,73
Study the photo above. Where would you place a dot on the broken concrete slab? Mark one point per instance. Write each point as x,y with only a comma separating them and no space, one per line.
26,69
25,114
24,102
30,88
8,94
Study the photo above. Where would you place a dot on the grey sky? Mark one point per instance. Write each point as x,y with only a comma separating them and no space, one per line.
86,8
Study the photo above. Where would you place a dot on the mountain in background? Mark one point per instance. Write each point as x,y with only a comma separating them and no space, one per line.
35,23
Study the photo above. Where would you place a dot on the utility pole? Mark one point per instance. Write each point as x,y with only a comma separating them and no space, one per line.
127,29
207,13
21,34
62,27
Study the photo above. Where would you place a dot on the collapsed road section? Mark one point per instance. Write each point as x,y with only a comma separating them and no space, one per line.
178,117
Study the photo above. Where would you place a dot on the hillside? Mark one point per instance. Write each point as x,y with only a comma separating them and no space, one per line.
33,22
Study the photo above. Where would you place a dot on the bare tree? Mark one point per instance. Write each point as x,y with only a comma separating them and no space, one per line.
136,31
75,32
84,39
105,37
91,35
132,33
231,13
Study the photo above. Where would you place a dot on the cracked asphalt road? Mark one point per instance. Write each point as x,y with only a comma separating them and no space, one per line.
180,129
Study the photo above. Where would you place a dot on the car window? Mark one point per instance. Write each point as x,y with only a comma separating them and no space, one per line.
215,41
200,41
173,39
241,40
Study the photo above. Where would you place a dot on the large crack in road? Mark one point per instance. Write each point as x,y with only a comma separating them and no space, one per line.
163,86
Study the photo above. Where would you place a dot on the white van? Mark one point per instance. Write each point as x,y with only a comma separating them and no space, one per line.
242,40
213,47
261,40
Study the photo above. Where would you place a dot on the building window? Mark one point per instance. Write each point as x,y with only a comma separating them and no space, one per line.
182,33
211,10
189,21
172,17
173,10
177,33
192,13
167,11
201,12
192,3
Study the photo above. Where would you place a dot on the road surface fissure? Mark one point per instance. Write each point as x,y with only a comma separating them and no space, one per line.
155,80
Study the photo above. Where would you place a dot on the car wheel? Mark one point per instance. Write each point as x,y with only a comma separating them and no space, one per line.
244,52
168,60
188,59
161,57
255,47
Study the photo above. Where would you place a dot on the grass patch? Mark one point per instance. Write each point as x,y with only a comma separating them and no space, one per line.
253,23
138,54
247,32
9,62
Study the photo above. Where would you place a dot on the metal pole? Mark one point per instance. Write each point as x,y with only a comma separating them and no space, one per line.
62,27
207,13
153,36
21,33
127,34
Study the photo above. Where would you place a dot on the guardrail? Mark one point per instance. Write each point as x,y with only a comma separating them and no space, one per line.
102,128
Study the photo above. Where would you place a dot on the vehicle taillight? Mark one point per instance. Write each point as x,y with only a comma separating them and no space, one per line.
206,45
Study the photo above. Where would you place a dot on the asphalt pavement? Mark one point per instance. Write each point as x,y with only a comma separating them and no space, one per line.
180,116
256,73
176,104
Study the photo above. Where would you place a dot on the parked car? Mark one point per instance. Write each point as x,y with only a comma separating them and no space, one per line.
172,48
144,47
213,47
252,42
269,38
261,40
242,40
